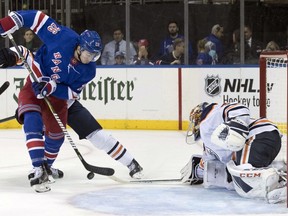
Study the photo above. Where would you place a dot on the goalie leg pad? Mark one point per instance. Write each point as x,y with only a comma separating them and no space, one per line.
277,196
253,182
189,171
216,176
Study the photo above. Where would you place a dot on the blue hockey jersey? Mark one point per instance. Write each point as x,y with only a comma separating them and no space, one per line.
56,58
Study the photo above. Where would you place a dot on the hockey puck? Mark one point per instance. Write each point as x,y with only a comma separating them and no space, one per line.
90,175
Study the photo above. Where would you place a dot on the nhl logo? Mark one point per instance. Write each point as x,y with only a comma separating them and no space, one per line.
212,85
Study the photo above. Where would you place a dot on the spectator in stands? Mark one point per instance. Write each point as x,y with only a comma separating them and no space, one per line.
203,57
118,44
216,35
211,49
30,41
119,58
253,47
174,57
272,46
142,57
166,46
232,55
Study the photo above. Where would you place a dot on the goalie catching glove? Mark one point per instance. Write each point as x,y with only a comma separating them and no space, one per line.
44,87
231,135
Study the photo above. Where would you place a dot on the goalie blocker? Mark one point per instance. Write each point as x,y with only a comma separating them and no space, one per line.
231,135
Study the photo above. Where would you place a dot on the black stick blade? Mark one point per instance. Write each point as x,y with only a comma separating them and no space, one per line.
4,87
106,171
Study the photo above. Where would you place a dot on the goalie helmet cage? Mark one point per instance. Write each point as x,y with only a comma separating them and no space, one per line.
273,94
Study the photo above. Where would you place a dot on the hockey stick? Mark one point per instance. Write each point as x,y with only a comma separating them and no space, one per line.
143,180
93,169
4,87
155,180
7,119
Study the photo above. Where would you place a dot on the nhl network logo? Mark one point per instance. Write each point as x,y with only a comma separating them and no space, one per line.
212,85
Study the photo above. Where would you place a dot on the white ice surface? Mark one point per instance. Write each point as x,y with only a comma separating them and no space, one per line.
161,153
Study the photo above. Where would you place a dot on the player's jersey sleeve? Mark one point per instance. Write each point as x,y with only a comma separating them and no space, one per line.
44,26
235,110
55,58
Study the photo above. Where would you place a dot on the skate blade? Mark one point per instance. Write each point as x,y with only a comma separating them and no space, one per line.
41,188
138,175
51,180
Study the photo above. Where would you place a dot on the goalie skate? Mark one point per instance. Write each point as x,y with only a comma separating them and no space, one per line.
135,170
39,180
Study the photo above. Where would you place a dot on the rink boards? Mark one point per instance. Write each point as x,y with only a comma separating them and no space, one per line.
153,97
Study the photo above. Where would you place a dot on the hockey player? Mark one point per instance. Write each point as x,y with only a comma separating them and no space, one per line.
87,127
90,129
224,130
255,173
62,66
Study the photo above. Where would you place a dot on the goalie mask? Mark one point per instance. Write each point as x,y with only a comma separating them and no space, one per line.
193,132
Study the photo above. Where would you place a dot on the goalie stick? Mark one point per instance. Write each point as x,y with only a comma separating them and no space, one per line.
4,87
92,169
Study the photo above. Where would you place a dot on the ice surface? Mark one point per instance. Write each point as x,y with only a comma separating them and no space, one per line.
161,153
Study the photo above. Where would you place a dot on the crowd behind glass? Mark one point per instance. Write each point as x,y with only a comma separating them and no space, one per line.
171,48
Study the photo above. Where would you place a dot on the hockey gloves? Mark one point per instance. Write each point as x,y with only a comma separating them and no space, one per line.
10,24
8,58
231,135
44,87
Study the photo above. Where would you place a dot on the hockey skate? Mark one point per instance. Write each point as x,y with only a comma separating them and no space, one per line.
135,170
39,179
53,173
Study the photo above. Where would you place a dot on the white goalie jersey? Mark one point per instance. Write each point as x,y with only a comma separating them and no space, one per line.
213,116
258,126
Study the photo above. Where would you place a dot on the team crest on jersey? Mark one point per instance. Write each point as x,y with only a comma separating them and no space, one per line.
212,85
